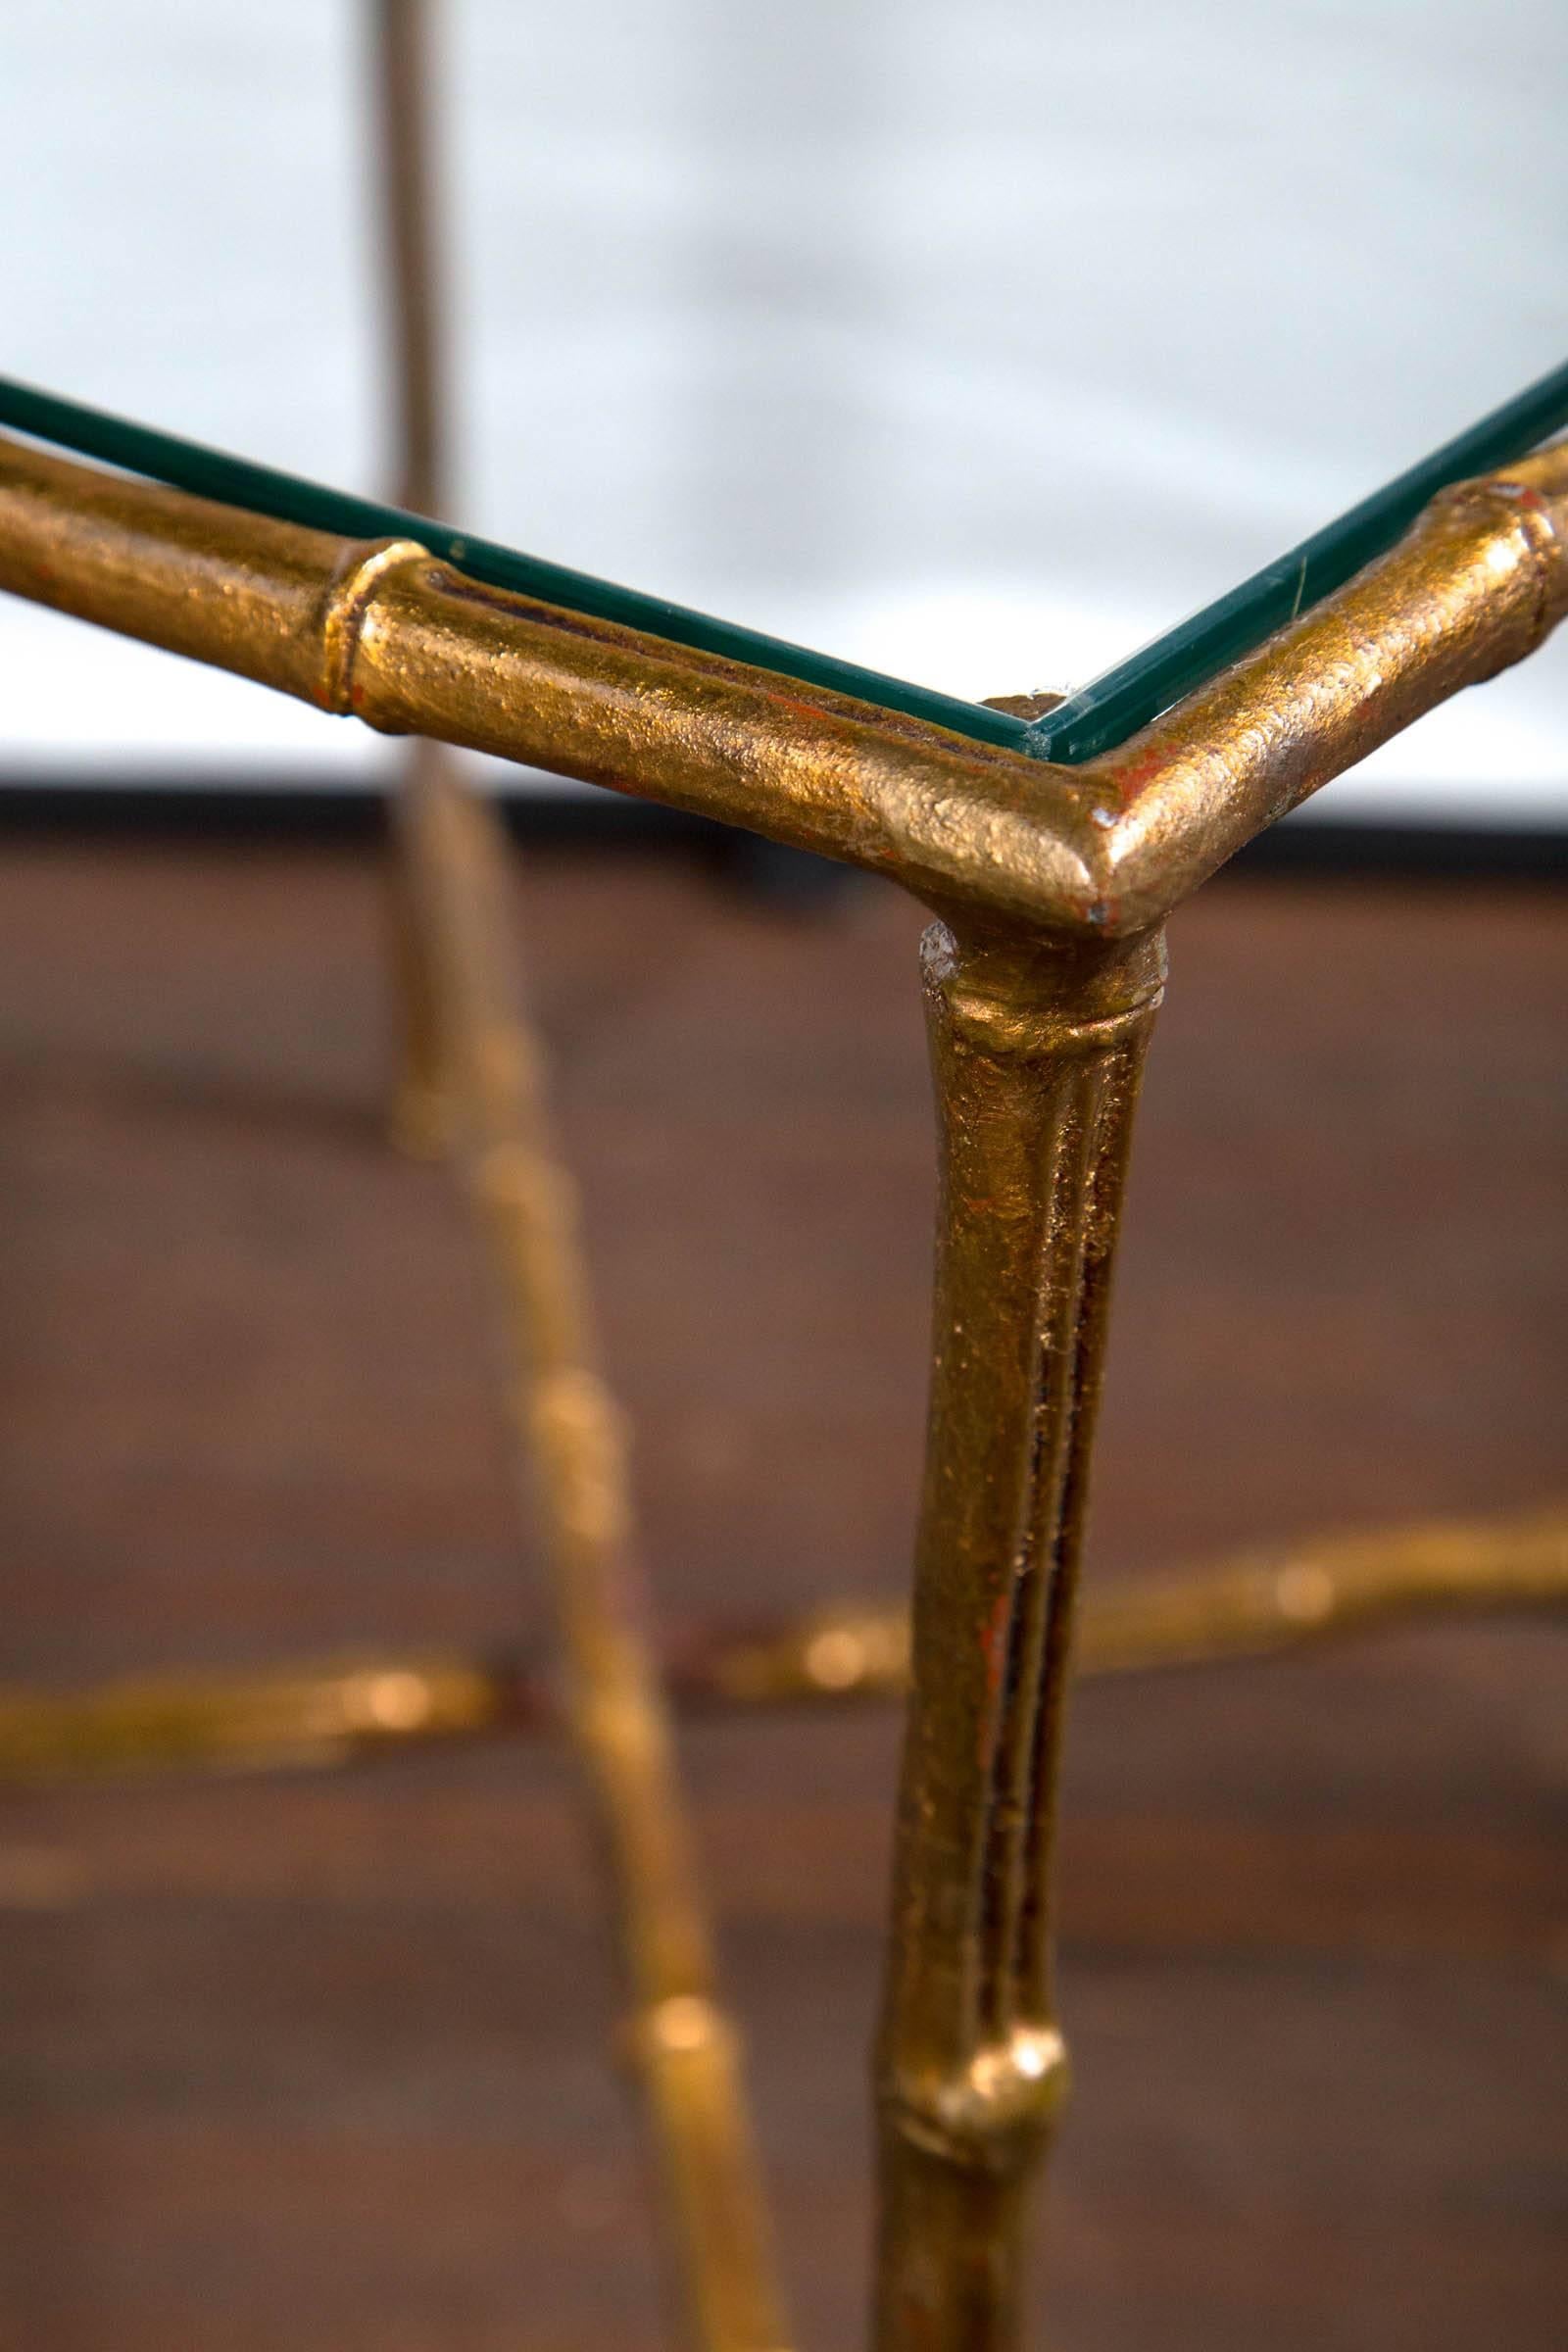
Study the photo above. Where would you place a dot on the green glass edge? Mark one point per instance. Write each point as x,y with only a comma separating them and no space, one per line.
1104,714
1097,718
263,490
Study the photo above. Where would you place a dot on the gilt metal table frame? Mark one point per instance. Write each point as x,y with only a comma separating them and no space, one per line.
1043,972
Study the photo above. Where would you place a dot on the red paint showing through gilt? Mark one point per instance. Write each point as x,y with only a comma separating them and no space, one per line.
994,1643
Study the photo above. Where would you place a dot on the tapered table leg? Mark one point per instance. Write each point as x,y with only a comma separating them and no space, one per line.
1037,1054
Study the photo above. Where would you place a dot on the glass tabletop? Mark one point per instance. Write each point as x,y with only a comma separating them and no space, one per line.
1095,720
976,348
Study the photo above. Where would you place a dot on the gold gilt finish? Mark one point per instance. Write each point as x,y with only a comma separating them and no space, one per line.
1103,850
1042,979
1042,976
680,2042
401,62
1042,983
1246,1607
277,1719
473,1085
1037,1052
334,1711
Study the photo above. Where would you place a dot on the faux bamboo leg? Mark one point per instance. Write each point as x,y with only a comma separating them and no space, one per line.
421,1108
471,1083
681,2043
401,63
1037,1055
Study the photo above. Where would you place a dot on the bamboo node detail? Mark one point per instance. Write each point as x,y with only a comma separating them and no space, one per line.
991,2114
344,606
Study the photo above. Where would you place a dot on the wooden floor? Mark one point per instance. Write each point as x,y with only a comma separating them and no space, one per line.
319,2065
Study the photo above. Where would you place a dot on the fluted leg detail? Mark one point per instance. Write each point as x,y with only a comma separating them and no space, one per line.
1037,1055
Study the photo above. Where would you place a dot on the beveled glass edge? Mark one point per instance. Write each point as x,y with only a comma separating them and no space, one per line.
1115,706
228,481
1097,718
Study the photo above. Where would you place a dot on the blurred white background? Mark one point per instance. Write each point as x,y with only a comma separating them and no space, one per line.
977,342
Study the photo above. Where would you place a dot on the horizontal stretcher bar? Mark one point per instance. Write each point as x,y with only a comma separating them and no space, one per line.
330,1711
